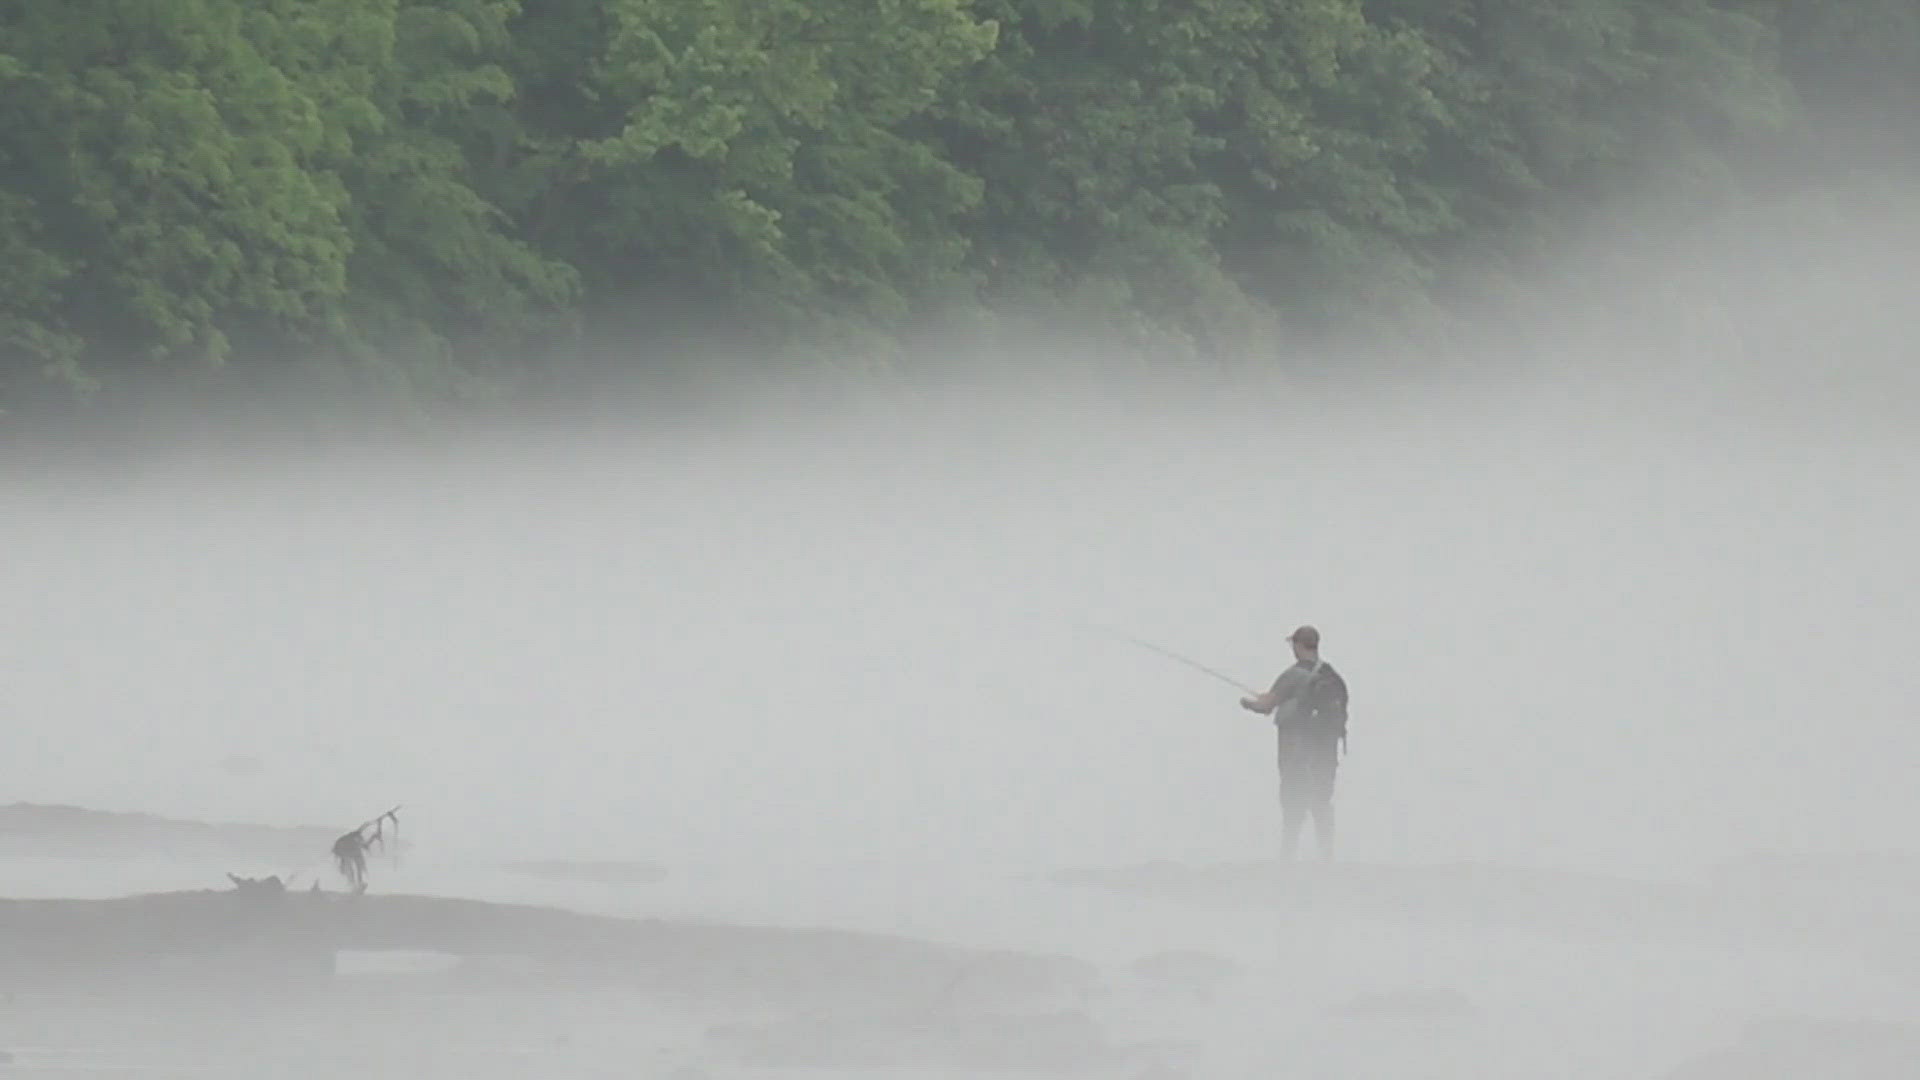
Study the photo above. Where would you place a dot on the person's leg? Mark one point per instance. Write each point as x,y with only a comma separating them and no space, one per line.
1326,761
1291,818
1289,810
1323,829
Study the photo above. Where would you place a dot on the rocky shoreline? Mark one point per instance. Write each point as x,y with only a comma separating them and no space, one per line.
259,931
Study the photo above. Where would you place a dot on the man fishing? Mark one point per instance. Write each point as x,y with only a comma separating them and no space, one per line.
1308,703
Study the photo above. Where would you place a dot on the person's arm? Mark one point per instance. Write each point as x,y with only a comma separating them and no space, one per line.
1264,704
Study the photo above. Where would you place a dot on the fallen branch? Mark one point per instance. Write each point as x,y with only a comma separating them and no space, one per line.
350,851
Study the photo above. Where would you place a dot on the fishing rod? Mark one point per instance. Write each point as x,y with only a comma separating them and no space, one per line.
1189,662
1176,658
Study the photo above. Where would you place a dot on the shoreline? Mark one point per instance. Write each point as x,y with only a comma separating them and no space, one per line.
253,932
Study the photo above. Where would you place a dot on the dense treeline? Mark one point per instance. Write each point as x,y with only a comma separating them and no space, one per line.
451,194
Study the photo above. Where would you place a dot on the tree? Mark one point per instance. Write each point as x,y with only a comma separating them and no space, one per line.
159,185
445,283
746,159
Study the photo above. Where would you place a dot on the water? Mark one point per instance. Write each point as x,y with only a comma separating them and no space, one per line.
824,675
1442,979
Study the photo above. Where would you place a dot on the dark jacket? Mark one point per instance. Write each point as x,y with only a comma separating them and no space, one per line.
1313,696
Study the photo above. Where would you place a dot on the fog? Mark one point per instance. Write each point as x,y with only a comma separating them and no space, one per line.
1572,637
1622,615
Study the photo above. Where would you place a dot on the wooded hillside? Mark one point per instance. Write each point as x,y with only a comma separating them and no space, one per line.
446,197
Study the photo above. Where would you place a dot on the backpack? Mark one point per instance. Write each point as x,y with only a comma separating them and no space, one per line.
1326,699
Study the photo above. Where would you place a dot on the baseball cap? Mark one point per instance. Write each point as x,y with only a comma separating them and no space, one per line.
1306,636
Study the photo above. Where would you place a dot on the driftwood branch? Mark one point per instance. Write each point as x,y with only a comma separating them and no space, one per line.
350,851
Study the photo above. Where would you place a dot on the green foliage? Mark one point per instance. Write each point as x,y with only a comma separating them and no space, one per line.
440,270
752,155
160,163
439,197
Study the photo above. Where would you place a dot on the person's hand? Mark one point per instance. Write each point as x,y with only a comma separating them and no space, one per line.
1248,704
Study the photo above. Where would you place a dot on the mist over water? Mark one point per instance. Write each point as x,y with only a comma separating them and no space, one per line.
754,731
1577,634
1637,612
